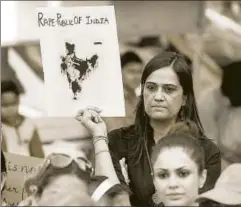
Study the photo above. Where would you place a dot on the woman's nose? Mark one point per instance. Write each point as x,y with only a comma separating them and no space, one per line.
173,182
159,96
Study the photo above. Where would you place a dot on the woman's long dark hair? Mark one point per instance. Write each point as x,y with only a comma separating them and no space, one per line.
188,112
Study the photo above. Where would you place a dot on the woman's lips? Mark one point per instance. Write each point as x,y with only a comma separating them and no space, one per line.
175,196
159,107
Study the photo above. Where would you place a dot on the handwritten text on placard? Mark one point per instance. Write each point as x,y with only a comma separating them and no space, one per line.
19,168
61,21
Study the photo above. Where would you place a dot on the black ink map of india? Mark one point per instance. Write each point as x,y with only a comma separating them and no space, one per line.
75,69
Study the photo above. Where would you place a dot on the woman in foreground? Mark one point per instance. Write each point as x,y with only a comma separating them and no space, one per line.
179,168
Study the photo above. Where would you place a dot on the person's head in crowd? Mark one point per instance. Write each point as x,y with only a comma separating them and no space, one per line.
60,174
231,83
227,190
178,166
66,190
9,101
132,66
3,171
167,93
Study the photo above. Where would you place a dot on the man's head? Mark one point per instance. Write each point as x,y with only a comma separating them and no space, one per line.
10,99
132,66
61,171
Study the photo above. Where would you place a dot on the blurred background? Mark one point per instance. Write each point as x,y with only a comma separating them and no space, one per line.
207,32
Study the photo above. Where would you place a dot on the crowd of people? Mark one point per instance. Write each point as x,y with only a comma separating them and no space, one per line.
160,155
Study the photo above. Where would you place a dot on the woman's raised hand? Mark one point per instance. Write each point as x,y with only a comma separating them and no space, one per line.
90,118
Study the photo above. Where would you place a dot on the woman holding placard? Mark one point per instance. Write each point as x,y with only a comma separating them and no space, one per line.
167,97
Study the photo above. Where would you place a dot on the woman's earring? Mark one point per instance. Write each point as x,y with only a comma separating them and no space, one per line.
157,200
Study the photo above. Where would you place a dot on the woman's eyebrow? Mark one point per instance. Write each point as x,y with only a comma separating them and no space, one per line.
182,168
170,85
177,169
163,84
161,169
150,82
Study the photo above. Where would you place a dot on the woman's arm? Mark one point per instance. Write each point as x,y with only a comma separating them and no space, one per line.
122,196
106,155
103,162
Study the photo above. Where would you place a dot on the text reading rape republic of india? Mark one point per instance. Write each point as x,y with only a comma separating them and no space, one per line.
61,21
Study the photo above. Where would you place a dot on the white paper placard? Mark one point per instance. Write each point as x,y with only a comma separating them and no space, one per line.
81,60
